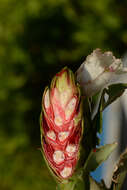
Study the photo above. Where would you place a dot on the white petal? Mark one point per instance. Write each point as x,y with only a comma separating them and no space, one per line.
100,70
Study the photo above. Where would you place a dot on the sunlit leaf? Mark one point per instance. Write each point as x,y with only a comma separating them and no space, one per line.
98,156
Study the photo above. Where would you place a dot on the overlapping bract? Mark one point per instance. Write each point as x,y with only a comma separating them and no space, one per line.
61,124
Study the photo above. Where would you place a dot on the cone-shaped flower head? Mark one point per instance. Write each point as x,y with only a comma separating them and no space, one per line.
61,124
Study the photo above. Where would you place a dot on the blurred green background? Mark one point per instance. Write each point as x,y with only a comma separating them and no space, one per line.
37,39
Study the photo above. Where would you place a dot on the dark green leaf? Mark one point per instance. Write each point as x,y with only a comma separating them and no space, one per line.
97,113
96,186
66,186
97,122
79,185
114,92
98,156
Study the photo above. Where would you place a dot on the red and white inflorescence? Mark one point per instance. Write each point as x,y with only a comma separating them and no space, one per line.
61,124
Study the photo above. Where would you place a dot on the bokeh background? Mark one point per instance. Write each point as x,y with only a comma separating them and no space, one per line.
37,39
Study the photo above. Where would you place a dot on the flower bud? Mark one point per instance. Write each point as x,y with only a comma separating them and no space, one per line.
61,124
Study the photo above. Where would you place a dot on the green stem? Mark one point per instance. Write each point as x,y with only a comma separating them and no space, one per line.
66,186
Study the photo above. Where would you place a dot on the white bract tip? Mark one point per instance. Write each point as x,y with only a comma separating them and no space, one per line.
66,172
46,99
71,149
64,96
71,125
51,135
63,135
58,156
70,108
58,120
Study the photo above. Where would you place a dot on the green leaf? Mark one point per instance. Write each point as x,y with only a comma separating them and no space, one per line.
80,184
69,185
97,121
97,156
120,172
114,92
97,102
95,186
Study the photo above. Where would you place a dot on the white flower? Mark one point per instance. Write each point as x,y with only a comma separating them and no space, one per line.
99,71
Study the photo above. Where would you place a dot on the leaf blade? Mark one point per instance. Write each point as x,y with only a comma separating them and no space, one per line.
114,92
96,158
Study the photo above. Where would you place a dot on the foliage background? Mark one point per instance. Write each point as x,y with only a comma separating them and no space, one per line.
37,39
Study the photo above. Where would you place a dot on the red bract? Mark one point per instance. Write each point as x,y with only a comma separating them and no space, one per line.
61,124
